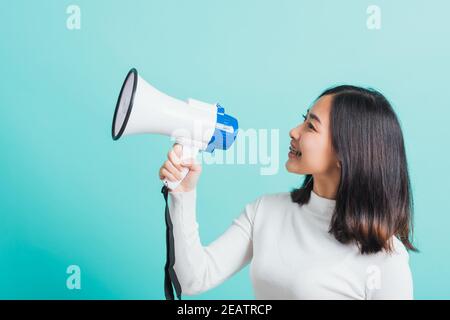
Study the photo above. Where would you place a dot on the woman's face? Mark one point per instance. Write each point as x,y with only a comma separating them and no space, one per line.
312,139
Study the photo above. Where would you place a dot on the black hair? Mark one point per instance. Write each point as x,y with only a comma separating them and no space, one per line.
373,199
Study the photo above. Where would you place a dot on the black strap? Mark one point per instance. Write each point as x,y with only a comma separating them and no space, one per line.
169,273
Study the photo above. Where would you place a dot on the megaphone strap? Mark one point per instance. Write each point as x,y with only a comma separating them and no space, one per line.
169,273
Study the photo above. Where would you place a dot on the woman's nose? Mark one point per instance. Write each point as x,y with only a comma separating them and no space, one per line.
294,133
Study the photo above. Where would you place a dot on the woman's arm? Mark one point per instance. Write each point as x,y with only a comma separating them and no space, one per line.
200,268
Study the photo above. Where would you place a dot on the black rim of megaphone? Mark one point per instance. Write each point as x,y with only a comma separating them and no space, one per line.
133,72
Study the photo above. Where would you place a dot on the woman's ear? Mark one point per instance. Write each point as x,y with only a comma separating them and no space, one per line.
338,164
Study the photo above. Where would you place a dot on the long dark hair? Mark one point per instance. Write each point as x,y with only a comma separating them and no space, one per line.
373,200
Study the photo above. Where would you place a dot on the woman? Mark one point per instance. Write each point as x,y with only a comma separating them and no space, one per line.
344,234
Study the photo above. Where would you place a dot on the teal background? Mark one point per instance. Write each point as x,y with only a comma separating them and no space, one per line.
70,195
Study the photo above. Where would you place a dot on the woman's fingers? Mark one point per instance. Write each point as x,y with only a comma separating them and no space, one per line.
178,149
173,170
165,174
176,160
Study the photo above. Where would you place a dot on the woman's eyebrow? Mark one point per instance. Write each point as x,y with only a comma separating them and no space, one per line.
313,116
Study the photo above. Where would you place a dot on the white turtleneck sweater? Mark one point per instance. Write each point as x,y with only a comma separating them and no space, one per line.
292,255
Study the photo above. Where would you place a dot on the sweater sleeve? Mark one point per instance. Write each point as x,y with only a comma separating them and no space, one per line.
200,268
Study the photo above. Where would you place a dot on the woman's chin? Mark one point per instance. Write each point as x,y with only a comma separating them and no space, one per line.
292,167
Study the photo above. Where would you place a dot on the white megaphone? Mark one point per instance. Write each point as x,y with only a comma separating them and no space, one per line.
196,125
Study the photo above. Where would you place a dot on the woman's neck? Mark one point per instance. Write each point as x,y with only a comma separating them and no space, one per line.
326,186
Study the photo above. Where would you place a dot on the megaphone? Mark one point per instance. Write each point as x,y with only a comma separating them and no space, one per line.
196,125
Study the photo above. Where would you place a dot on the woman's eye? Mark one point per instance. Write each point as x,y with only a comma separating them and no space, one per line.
310,126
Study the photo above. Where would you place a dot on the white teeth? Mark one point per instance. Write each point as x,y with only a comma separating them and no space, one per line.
297,153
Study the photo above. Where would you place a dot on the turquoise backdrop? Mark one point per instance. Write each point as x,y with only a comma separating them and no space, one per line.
72,196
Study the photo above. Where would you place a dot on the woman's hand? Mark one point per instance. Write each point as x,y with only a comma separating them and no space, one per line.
171,170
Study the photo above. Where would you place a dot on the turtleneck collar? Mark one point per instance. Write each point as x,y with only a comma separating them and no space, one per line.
321,206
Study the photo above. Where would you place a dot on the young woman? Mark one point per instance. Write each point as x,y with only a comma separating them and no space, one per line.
344,234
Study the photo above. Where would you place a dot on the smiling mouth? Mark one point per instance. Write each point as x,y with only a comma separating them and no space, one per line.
294,152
